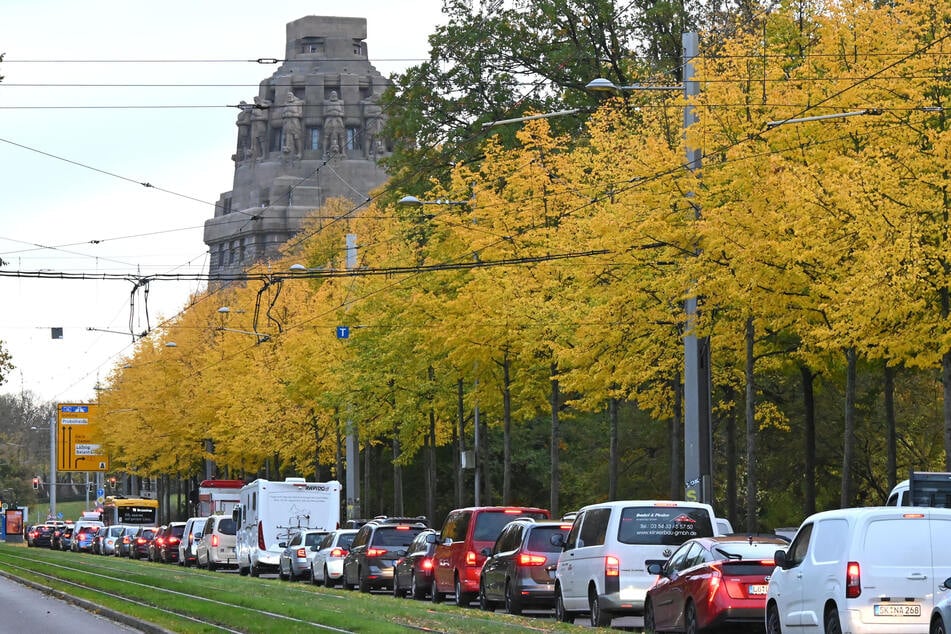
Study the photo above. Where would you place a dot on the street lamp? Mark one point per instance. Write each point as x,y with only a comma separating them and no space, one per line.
698,439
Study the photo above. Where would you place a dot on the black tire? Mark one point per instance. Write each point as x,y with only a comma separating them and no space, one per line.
328,582
416,590
831,621
773,622
513,600
599,616
280,573
212,566
561,614
463,599
690,619
346,584
255,570
435,595
243,571
937,626
398,592
649,626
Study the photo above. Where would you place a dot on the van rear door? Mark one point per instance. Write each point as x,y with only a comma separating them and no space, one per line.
895,570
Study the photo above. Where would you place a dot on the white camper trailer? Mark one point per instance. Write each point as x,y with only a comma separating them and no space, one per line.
269,513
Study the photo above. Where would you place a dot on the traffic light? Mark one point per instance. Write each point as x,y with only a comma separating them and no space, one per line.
36,483
112,482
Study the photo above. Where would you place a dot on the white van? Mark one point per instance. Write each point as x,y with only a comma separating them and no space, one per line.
602,568
923,488
187,548
858,570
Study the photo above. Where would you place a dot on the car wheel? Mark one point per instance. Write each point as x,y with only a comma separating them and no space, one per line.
831,621
398,593
937,626
463,599
773,625
435,595
418,592
211,565
328,582
255,571
243,571
346,582
690,619
280,572
561,614
513,600
599,617
649,626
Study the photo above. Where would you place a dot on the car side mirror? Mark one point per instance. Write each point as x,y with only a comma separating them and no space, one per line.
485,552
655,568
779,557
315,548
282,544
946,584
432,538
557,540
401,553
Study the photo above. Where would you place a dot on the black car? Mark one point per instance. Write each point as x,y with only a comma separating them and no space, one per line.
374,550
519,570
413,572
139,545
40,535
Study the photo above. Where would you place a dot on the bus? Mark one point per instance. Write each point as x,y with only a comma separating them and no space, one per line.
130,511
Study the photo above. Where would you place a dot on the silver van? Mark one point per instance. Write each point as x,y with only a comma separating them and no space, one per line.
862,570
602,568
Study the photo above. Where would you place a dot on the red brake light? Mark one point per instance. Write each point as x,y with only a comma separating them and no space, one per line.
301,553
173,540
529,559
716,576
513,511
376,552
214,540
261,544
470,558
402,527
612,566
427,564
338,552
853,580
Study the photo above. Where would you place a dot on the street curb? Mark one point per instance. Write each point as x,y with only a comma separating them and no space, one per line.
89,606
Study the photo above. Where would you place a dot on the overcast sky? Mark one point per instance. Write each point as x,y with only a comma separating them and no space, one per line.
74,156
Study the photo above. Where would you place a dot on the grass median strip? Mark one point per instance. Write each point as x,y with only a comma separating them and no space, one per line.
242,603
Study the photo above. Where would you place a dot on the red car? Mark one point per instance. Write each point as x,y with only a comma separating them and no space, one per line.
709,582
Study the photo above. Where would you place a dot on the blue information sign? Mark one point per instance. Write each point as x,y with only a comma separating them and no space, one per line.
343,332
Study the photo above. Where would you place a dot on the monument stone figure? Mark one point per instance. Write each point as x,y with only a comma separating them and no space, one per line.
293,133
259,119
334,131
373,129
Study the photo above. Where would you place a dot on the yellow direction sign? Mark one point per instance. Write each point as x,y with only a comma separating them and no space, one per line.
78,446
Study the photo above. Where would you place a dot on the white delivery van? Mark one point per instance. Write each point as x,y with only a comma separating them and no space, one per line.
858,570
270,512
602,568
922,488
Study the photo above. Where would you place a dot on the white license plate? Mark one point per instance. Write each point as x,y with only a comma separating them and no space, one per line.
758,588
897,609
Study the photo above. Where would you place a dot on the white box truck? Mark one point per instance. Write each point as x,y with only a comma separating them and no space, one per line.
922,488
271,511
218,497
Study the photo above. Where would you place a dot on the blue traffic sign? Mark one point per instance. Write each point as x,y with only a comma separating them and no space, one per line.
343,332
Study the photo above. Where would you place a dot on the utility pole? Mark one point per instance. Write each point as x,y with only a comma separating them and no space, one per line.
698,440
353,438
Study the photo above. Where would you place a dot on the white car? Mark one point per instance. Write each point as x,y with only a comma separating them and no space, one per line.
188,547
326,567
216,548
862,570
602,569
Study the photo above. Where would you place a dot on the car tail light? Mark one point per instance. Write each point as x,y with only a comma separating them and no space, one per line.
214,541
530,559
426,564
470,558
261,543
716,576
612,566
140,540
338,552
853,580
173,540
376,552
301,553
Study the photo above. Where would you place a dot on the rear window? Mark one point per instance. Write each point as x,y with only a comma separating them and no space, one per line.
393,536
177,531
489,524
663,525
313,538
226,526
539,540
345,540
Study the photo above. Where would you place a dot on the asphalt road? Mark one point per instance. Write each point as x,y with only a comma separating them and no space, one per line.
28,610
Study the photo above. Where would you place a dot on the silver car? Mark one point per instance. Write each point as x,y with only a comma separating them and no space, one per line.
295,559
941,614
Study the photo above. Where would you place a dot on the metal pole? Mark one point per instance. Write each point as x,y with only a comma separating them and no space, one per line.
698,442
476,500
52,483
353,439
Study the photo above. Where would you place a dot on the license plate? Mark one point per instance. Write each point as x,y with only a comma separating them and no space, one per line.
897,609
758,588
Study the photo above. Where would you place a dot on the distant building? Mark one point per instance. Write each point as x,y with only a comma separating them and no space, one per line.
311,133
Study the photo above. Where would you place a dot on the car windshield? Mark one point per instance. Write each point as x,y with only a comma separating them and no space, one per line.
539,540
490,523
395,536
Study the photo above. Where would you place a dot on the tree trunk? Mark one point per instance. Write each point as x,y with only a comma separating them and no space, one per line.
676,425
731,458
809,441
555,442
506,433
612,448
397,475
890,427
461,439
848,445
751,519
